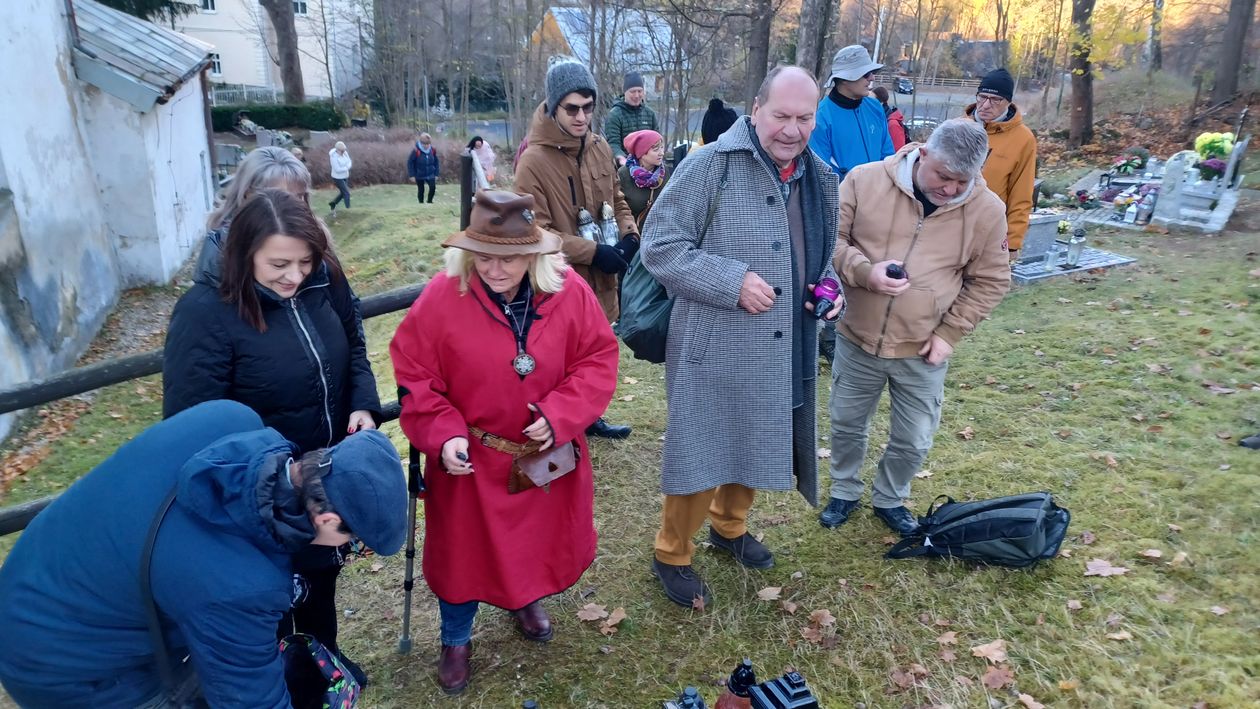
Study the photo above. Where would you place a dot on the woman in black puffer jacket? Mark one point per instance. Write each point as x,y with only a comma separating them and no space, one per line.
279,332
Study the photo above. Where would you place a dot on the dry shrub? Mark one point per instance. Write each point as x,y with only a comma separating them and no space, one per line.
380,156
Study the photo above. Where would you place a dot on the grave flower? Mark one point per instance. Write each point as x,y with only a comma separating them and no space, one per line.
1211,168
1064,226
1214,145
1126,164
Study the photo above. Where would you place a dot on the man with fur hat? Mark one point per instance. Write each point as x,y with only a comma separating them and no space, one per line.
567,167
1011,167
628,115
226,506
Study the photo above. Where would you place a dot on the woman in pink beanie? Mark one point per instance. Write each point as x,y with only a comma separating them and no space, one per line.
643,176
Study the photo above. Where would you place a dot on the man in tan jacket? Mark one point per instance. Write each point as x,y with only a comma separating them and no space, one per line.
567,168
922,256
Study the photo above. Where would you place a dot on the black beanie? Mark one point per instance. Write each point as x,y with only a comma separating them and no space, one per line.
999,83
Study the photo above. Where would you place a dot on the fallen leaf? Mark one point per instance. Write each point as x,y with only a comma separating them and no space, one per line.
1063,433
967,434
1041,619
1111,461
769,593
990,380
1121,636
997,677
591,611
1155,428
822,618
943,622
1138,417
812,634
993,652
1102,567
798,575
1157,368
1065,553
918,670
922,474
1180,558
606,649
1164,414
1029,702
1018,332
889,540
948,655
628,397
607,630
963,681
1039,353
1254,274
1087,537
629,380
1074,605
1204,331
789,607
949,638
1152,553
618,615
1114,619
1224,435
376,567
824,452
901,678
1174,527
1067,685
1219,610
1224,466
697,603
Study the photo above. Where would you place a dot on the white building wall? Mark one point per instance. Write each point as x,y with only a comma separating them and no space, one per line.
234,30
58,268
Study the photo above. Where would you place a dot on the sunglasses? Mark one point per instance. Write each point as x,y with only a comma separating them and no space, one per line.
572,109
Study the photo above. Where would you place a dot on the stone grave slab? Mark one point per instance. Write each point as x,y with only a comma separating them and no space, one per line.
1032,271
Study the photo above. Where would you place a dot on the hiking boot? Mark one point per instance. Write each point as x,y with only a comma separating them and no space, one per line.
745,548
534,622
603,429
682,585
837,512
898,519
454,668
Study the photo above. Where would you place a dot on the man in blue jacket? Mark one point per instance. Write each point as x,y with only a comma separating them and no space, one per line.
852,130
71,607
422,166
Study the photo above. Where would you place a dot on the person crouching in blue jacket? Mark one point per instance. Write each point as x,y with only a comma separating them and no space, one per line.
71,605
851,128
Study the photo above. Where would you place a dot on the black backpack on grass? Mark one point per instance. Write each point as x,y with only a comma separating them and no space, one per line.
1015,531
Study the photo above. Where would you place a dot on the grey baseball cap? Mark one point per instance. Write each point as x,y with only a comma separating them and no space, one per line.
852,63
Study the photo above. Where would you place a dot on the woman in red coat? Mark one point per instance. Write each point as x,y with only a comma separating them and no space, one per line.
505,356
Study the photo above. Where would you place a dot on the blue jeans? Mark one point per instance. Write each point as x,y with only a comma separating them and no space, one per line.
457,621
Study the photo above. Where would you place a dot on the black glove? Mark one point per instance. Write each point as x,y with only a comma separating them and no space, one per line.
628,247
608,259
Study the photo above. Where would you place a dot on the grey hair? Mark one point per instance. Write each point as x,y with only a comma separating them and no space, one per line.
763,92
961,145
264,168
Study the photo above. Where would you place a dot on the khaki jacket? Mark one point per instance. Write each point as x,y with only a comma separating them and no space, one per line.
1010,171
955,258
565,173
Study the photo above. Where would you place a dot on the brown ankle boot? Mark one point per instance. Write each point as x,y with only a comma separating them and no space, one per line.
534,622
454,669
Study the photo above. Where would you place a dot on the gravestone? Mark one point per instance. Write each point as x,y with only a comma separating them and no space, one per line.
1206,207
319,138
264,137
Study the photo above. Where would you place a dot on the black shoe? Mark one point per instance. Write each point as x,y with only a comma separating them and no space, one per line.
1252,442
603,429
827,352
353,668
681,583
898,519
746,549
837,512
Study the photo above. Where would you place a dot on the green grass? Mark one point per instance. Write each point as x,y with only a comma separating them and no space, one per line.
1063,376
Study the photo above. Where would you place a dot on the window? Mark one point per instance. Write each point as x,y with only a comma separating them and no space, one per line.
299,7
208,6
216,68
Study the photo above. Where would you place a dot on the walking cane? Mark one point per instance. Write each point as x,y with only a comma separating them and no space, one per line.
415,486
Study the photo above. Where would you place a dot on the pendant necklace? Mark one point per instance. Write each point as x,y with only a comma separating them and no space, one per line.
523,363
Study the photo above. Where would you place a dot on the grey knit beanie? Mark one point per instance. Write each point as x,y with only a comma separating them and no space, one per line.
563,79
633,80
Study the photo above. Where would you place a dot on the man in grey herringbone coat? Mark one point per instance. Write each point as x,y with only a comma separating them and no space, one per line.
739,237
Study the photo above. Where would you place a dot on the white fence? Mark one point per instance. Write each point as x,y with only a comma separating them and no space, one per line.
238,95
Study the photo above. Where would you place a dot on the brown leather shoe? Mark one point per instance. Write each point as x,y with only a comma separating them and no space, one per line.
454,669
534,622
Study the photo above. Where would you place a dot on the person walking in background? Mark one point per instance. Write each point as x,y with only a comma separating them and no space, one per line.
423,168
852,130
628,114
568,169
717,120
502,363
643,176
339,164
896,121
484,155
925,210
739,237
1011,168
280,331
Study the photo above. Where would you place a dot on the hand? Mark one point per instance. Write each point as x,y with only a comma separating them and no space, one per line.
621,160
451,452
936,350
756,296
540,430
628,247
608,259
879,282
360,421
835,308
412,180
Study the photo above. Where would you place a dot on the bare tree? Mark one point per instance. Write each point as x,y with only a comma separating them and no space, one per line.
762,16
811,44
1155,44
280,12
1233,45
1081,129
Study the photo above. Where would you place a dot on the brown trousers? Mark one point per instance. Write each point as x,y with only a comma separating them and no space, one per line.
726,506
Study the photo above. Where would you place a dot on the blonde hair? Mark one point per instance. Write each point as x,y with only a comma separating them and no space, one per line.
265,168
546,273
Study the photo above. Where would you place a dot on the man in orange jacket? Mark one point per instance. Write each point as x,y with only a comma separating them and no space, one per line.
1012,163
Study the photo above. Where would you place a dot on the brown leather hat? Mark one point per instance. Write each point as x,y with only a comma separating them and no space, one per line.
502,224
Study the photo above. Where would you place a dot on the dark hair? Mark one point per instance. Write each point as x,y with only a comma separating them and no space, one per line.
266,214
310,490
472,144
881,94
